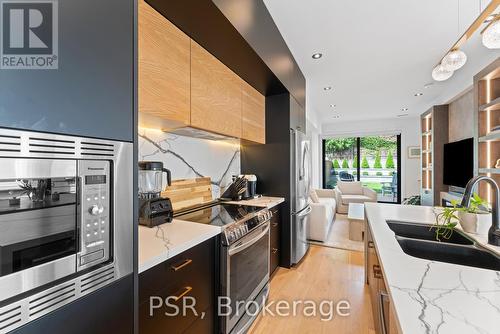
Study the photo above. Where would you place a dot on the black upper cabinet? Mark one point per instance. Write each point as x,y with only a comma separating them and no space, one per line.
297,116
91,93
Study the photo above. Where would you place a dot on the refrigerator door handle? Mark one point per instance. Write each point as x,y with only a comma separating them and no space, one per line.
305,212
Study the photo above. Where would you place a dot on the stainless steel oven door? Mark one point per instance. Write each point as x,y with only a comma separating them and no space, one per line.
246,271
38,223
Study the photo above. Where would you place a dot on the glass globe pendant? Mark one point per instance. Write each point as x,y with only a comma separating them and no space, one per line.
439,73
454,60
491,36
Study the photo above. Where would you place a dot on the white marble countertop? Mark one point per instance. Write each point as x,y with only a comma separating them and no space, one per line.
163,242
264,201
429,296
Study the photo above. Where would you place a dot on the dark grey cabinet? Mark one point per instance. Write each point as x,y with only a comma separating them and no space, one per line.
92,92
107,310
275,240
297,116
189,275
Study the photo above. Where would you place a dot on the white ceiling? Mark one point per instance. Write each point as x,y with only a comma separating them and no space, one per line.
378,53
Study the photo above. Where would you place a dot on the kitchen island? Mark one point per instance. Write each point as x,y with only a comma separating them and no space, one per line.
429,296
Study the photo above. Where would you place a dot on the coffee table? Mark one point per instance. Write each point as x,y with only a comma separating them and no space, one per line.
356,217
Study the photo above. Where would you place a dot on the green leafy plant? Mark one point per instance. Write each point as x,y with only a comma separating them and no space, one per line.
413,200
448,218
379,173
355,162
365,173
364,163
336,164
378,162
345,164
389,163
477,205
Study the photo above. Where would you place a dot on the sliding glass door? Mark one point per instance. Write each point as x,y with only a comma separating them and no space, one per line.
373,160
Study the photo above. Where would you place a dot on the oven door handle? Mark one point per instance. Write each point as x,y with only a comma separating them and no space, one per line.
247,244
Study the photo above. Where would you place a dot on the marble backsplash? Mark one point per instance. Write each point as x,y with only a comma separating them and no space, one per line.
188,157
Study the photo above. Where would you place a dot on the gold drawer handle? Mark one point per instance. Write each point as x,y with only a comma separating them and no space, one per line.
182,265
371,244
187,289
274,250
377,271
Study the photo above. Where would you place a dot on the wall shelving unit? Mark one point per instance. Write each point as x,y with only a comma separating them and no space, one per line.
487,117
434,134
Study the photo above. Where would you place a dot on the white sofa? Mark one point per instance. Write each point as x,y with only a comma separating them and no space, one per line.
322,215
352,192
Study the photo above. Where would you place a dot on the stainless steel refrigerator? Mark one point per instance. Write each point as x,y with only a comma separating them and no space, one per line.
300,188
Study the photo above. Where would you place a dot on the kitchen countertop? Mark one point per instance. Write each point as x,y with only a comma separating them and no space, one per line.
430,296
165,241
264,201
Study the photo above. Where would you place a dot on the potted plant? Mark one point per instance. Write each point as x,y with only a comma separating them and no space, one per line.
474,219
477,217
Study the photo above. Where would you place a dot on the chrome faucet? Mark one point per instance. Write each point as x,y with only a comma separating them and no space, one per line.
494,231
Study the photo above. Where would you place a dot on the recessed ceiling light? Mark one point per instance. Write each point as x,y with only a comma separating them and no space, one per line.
327,88
333,105
419,94
317,55
336,116
404,109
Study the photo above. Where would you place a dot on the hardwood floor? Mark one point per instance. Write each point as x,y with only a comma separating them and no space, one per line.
325,274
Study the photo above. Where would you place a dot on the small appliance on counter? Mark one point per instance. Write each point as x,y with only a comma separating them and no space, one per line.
244,187
153,208
236,189
250,193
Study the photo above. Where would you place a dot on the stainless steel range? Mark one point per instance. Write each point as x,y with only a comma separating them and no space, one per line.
66,220
244,258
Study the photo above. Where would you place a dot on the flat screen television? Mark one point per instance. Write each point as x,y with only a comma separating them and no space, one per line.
458,166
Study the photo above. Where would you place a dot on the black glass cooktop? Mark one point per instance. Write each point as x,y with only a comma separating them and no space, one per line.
218,214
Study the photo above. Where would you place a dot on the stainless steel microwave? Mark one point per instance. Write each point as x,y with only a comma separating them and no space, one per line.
66,220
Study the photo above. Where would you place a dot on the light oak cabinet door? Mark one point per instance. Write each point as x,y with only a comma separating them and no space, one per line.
253,114
215,94
164,69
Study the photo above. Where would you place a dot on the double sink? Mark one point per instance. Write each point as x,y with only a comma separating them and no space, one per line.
419,240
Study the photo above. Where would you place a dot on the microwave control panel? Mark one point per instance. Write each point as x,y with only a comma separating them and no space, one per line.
95,208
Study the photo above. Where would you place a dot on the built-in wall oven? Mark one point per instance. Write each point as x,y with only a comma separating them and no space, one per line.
245,271
65,220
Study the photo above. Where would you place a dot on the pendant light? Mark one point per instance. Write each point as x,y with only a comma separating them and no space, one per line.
440,73
454,60
491,35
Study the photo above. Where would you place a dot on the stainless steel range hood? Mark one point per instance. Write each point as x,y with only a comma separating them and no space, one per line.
179,128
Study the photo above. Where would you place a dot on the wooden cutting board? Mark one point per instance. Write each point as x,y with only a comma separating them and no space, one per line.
184,193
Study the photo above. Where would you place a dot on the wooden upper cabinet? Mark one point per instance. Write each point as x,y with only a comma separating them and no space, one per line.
215,94
253,114
164,69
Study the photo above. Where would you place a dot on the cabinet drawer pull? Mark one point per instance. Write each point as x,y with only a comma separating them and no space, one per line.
377,271
187,289
274,250
371,244
182,265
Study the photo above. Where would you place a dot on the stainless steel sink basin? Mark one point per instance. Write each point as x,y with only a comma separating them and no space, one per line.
426,232
472,256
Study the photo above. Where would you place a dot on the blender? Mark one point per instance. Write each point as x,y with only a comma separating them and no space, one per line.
153,208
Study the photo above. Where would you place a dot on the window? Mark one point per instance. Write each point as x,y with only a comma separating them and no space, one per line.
373,160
